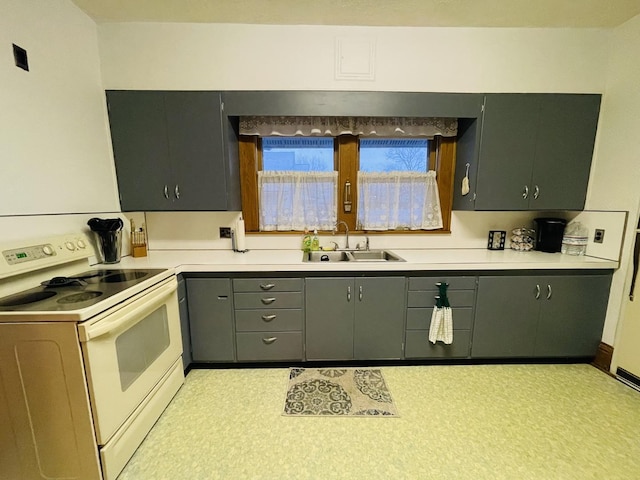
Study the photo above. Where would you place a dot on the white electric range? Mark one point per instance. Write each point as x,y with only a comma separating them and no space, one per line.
89,359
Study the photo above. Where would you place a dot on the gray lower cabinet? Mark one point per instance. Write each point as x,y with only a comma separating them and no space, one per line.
269,318
421,302
354,318
534,153
184,322
211,319
540,316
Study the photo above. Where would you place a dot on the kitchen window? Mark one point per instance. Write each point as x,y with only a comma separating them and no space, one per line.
376,174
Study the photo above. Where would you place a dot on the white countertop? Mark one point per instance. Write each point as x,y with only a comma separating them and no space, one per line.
424,259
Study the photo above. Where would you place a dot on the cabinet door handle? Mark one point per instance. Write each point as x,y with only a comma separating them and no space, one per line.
269,341
267,286
360,293
268,301
537,292
549,292
176,192
525,192
536,192
348,294
268,318
166,192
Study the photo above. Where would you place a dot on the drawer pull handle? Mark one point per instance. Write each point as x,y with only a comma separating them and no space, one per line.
549,292
222,297
268,301
267,286
268,318
537,292
269,341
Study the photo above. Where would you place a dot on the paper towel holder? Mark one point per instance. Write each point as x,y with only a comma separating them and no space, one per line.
234,245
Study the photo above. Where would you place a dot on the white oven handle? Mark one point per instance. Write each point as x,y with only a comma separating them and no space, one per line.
129,314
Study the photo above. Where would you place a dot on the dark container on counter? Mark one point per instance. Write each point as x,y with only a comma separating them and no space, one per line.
549,232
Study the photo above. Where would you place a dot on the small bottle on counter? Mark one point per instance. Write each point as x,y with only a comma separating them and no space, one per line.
306,241
315,241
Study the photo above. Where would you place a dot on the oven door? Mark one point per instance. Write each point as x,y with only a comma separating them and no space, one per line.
127,350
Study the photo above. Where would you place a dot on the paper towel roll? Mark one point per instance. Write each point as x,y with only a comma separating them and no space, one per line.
240,239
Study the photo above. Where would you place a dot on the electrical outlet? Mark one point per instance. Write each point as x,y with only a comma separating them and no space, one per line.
225,232
599,235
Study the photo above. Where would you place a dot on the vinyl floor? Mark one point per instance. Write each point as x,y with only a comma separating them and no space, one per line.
456,422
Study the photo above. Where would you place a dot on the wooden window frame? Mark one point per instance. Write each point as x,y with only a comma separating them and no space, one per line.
346,154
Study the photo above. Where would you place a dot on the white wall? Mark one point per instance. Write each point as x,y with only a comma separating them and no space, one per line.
55,154
615,178
278,57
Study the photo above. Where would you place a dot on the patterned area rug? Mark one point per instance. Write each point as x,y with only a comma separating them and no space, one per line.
354,392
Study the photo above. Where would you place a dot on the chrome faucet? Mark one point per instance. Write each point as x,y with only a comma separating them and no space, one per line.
346,231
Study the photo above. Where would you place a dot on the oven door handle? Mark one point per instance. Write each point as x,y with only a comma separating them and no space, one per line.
129,314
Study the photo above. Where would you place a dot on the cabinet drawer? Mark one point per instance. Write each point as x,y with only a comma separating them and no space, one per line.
457,298
418,345
269,346
267,285
268,320
429,283
268,300
420,318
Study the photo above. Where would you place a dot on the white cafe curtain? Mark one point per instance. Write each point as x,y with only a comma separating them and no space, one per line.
398,200
292,200
335,126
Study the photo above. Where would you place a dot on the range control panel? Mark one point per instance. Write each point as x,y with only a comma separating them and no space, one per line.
46,252
28,254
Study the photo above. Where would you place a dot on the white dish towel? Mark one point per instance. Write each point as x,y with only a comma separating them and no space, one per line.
441,328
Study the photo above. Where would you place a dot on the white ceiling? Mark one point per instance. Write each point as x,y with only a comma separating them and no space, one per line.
418,13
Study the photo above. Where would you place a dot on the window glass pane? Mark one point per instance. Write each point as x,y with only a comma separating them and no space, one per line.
297,154
394,154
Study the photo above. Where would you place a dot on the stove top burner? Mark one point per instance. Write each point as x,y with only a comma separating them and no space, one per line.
63,282
76,292
25,298
79,297
123,277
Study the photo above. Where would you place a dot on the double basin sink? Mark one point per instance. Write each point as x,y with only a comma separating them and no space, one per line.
352,256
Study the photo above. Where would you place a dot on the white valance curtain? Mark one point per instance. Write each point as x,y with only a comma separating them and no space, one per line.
398,200
294,200
335,126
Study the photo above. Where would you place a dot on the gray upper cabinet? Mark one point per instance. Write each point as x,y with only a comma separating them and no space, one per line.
542,316
361,318
534,152
170,152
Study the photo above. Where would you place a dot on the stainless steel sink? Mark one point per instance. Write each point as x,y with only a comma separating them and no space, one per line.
375,256
325,256
352,256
